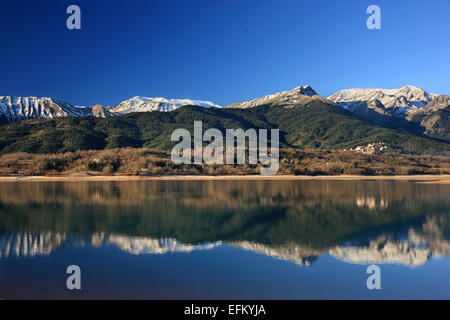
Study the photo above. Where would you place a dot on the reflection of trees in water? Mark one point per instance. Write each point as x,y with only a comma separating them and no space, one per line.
228,194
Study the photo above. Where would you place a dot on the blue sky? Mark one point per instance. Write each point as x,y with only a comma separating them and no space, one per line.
223,51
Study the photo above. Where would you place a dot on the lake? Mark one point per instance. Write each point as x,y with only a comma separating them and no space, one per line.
309,239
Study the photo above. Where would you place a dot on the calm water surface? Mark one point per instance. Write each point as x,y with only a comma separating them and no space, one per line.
225,239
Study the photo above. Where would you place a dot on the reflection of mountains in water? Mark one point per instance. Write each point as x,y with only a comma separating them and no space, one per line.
30,245
414,249
355,221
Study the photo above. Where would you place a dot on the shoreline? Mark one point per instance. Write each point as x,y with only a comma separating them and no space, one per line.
441,179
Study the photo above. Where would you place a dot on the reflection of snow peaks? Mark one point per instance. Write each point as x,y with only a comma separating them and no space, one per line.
29,245
413,250
295,253
140,245
382,250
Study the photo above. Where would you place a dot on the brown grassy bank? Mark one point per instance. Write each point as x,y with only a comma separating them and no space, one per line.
134,162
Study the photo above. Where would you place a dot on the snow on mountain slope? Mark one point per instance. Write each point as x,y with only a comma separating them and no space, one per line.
299,95
145,104
434,118
373,104
21,108
437,103
389,102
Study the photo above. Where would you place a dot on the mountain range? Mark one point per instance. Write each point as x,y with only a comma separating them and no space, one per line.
407,119
14,109
400,103
408,107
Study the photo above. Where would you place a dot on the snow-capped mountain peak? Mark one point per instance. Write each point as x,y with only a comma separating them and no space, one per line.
298,95
21,108
306,90
394,102
147,104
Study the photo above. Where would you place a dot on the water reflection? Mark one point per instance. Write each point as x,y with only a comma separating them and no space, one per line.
359,222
